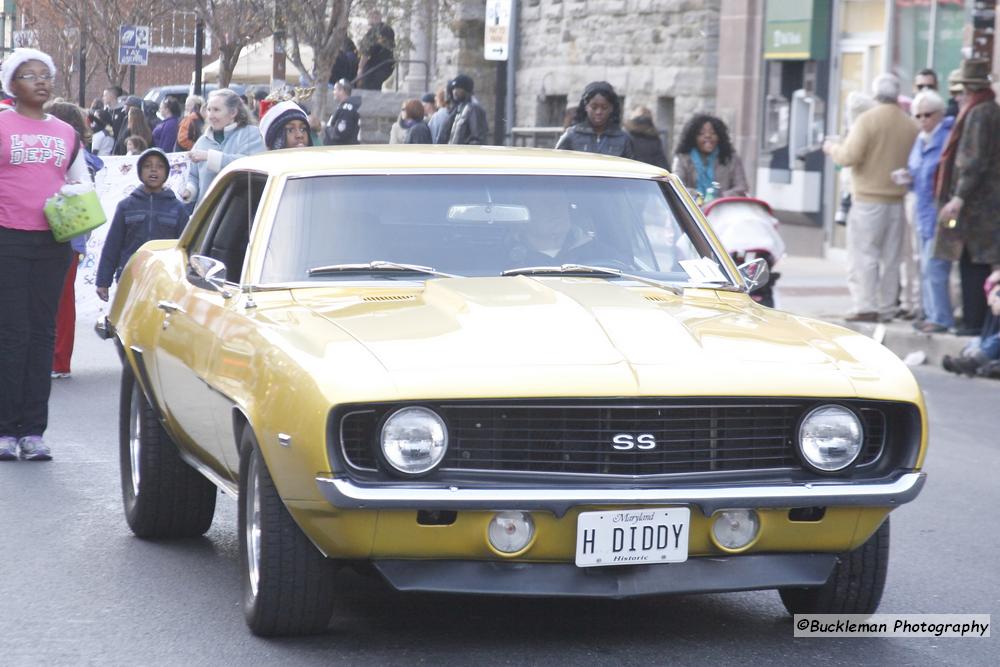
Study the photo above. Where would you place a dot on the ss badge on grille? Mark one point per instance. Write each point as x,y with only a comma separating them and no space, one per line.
627,441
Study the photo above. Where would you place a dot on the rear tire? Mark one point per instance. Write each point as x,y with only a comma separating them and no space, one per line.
163,496
288,585
854,587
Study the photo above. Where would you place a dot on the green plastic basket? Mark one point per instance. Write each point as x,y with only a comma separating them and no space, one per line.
73,215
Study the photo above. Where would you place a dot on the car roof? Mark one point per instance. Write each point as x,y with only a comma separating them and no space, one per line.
424,158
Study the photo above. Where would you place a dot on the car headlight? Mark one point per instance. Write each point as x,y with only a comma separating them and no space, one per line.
414,440
830,438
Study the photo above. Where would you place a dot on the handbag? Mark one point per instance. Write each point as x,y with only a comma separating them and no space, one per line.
73,215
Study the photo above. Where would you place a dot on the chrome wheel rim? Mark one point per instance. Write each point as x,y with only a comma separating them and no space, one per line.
252,530
135,437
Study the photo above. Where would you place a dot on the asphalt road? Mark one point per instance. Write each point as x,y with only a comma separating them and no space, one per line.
76,588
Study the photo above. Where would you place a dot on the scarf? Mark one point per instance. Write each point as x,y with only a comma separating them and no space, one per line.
946,167
704,173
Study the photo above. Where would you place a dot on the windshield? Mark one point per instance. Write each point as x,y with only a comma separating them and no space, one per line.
482,225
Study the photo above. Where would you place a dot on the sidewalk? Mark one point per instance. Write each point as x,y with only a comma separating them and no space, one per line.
817,287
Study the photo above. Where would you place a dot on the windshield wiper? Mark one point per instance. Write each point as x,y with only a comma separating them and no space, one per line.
378,266
593,270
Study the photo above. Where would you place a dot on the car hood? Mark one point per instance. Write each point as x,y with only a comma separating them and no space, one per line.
584,336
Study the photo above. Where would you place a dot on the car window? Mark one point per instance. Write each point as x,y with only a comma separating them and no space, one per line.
225,230
480,225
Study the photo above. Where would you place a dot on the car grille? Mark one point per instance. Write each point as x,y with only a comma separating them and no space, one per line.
690,437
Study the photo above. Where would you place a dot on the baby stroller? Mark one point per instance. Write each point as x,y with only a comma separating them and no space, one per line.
748,230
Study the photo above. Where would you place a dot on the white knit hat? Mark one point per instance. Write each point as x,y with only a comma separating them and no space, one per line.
17,58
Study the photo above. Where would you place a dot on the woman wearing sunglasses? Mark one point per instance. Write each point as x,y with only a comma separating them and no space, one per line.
929,109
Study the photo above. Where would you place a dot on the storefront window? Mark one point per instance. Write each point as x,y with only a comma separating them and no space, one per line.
913,22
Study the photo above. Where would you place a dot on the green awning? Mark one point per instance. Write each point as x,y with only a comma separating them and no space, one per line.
797,29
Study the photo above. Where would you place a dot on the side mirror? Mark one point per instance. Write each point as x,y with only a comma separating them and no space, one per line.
208,273
755,274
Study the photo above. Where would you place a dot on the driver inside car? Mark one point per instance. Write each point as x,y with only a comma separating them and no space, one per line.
550,237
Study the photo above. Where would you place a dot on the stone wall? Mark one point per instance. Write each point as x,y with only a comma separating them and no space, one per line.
452,45
659,53
457,48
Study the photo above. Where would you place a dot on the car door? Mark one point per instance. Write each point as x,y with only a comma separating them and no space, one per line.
193,324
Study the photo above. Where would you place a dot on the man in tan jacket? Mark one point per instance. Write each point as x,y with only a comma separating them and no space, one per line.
878,144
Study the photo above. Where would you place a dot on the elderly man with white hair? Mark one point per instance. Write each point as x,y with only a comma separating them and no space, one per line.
878,144
929,110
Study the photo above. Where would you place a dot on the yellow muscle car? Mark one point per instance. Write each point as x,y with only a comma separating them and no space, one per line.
498,371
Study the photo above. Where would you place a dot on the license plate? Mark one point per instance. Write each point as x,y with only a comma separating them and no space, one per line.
632,537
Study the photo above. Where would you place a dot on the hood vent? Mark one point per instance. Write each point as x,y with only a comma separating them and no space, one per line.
391,297
659,299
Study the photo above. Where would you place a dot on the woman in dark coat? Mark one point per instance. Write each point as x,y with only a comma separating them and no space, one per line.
598,124
165,133
645,138
417,131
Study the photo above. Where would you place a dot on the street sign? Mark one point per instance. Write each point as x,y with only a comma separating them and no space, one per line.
496,42
133,45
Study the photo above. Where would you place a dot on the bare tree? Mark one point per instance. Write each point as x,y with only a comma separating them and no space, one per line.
59,25
234,25
104,19
322,25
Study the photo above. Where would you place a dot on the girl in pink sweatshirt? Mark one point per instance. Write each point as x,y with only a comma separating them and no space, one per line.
39,154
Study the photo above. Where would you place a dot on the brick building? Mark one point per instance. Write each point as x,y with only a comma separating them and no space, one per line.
171,55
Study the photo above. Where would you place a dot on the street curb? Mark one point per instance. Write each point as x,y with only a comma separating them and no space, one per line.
902,339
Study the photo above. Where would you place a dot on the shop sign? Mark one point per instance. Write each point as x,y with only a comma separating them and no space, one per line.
796,29
496,41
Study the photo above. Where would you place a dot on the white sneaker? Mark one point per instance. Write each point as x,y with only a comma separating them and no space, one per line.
8,448
33,448
58,375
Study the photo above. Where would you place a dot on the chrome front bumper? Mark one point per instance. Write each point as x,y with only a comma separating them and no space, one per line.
346,494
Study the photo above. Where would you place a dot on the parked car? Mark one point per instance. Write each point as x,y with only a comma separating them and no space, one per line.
157,94
181,91
503,371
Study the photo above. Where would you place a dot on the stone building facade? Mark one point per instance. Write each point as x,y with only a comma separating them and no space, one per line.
662,54
659,53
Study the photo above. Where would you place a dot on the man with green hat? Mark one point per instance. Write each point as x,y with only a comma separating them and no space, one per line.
968,191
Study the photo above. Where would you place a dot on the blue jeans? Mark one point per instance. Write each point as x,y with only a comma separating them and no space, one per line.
990,346
934,288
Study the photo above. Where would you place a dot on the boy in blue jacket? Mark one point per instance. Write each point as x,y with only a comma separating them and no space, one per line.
152,211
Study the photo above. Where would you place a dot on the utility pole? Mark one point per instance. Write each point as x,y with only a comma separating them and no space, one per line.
199,46
83,66
278,47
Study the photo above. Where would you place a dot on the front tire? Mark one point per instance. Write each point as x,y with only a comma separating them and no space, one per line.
163,496
854,587
288,585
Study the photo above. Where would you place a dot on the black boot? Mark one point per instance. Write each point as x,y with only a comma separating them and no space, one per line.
991,369
961,365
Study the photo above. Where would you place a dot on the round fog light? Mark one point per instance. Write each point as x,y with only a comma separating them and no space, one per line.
509,532
735,529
